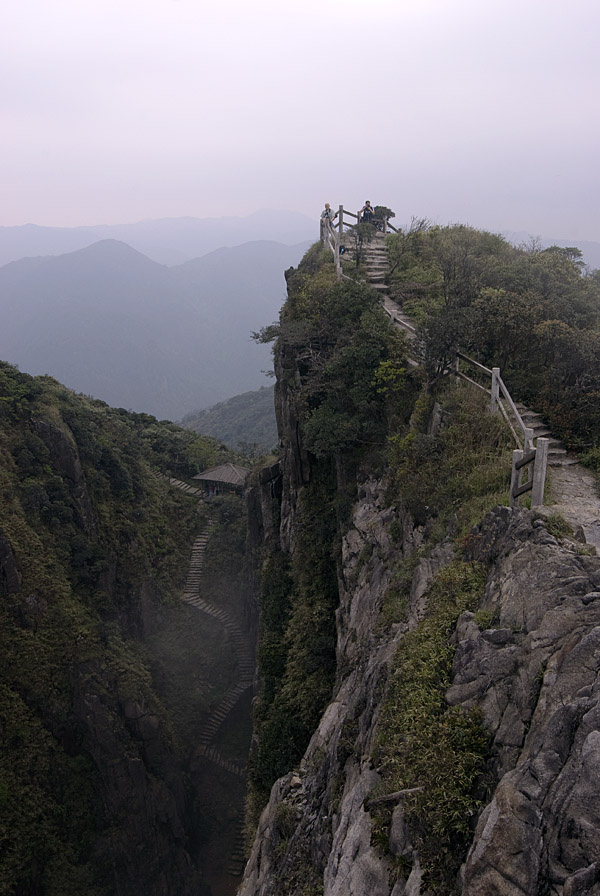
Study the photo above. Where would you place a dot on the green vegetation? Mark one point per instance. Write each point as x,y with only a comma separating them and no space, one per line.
352,384
245,423
450,479
94,547
297,672
534,313
361,410
557,525
425,746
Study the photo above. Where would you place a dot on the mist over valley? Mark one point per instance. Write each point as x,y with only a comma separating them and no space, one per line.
108,321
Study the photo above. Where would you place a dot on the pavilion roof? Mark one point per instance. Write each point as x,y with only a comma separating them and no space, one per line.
228,473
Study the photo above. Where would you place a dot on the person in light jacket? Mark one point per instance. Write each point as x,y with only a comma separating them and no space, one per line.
327,218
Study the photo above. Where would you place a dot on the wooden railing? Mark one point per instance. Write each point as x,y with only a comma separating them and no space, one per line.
331,239
534,463
331,234
343,213
529,459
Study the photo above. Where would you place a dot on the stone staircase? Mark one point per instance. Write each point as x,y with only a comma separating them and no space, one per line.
208,752
570,490
237,857
234,633
377,267
557,453
205,748
376,262
185,487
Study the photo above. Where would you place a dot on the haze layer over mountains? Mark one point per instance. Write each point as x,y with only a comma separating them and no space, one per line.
111,322
99,309
166,240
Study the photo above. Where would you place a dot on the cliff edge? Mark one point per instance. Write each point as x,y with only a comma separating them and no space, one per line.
458,749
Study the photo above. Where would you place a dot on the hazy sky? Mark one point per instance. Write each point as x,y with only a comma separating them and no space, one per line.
482,112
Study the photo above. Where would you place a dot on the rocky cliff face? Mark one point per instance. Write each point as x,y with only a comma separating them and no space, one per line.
528,659
535,676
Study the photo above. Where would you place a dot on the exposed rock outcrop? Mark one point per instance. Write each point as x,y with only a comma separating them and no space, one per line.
535,676
316,826
533,672
524,670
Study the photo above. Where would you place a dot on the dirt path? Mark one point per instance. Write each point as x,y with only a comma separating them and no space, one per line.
575,495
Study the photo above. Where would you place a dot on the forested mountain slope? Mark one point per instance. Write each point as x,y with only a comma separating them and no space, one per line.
428,713
245,422
106,676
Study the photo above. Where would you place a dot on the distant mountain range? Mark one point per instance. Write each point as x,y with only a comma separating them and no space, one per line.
98,309
109,322
244,423
166,240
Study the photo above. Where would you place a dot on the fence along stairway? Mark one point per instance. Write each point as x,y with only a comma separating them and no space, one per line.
528,459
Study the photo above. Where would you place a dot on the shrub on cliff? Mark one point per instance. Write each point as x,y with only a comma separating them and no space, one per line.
533,312
433,753
344,373
352,365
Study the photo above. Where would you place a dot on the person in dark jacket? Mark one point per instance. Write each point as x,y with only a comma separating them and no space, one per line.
366,213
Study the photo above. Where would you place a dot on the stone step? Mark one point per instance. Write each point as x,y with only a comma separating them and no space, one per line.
567,461
524,411
540,431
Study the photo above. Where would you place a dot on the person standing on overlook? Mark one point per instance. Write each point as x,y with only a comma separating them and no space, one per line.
327,218
366,213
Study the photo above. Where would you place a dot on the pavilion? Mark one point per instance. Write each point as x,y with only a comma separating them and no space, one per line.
224,478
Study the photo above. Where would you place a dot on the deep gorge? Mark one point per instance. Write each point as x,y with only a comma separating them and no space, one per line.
424,711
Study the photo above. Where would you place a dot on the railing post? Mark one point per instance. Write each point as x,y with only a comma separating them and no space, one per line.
514,478
336,254
528,438
495,389
341,219
539,472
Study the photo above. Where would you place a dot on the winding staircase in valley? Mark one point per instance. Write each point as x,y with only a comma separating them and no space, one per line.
206,746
